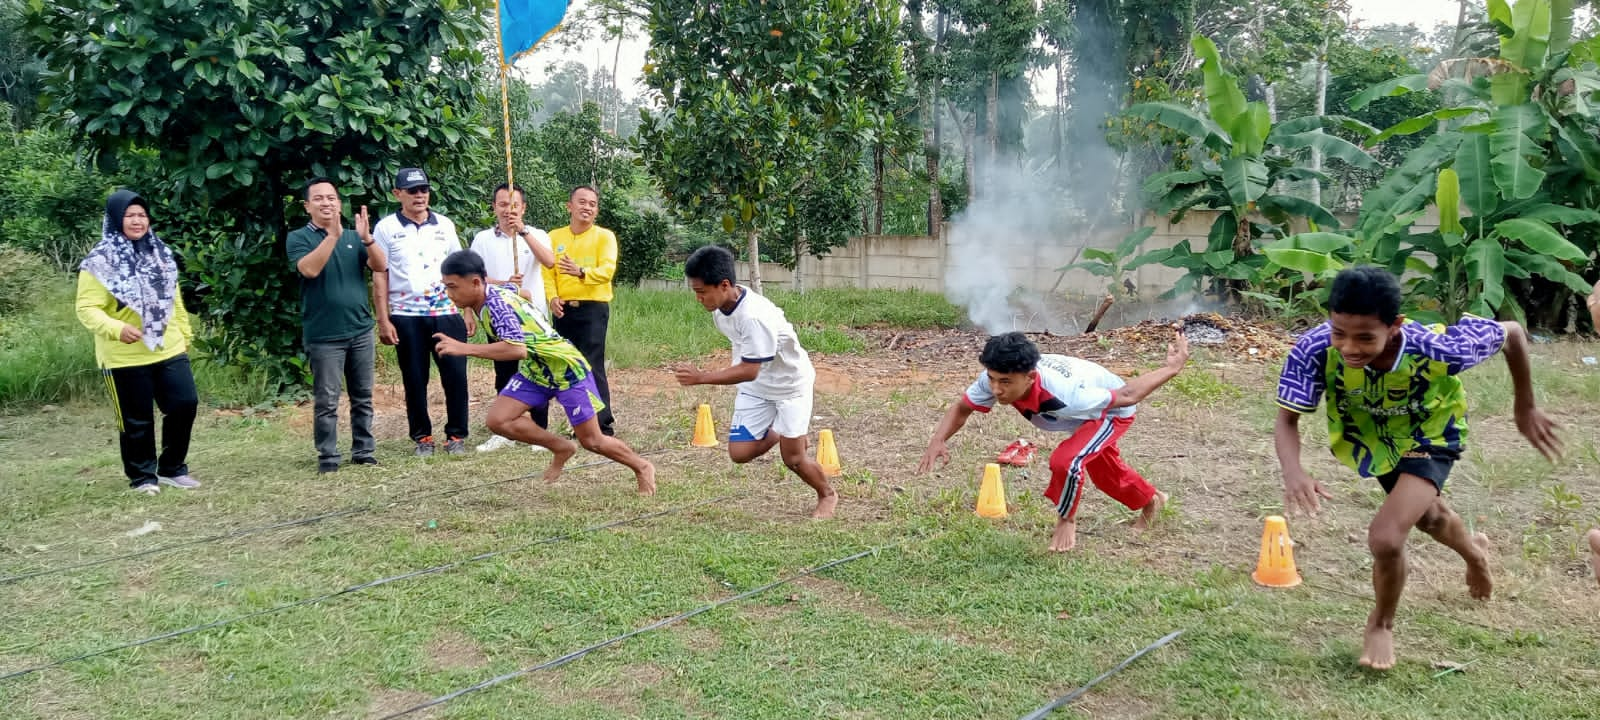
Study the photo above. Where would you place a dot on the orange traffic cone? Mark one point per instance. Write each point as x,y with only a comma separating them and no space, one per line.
705,434
1276,566
828,454
992,494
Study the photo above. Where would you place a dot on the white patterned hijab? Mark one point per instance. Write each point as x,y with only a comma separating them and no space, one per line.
139,272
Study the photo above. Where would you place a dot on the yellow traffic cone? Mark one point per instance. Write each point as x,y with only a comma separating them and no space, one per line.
828,454
1276,568
992,495
705,434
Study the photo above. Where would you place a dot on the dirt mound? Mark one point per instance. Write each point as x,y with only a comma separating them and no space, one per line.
1234,338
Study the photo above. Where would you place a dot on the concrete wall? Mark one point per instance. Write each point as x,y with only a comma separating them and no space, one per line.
1029,263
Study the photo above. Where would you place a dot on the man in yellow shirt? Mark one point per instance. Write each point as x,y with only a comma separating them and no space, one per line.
578,288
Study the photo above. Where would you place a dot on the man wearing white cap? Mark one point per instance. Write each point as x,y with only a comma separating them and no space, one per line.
412,306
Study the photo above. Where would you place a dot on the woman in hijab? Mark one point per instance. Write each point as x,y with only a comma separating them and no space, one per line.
128,297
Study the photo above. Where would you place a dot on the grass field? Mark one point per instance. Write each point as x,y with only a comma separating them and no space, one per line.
951,617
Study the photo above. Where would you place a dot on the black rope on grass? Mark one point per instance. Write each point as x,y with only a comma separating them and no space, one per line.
574,655
369,585
1051,706
246,532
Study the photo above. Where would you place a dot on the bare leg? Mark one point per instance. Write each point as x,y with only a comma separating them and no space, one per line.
594,441
1150,511
1594,552
797,460
509,418
1386,537
1065,537
1451,531
745,451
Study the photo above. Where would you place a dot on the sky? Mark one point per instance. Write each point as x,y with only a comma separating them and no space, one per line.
1424,13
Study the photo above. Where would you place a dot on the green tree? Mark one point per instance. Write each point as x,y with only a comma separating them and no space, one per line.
238,102
767,109
19,67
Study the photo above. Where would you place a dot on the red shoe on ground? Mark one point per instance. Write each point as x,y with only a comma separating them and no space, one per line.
1017,453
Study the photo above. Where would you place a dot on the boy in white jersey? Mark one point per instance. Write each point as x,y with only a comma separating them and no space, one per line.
1072,395
773,372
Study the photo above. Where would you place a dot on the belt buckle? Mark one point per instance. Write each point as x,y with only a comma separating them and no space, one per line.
571,303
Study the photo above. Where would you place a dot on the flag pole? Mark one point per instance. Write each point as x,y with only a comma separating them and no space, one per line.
505,119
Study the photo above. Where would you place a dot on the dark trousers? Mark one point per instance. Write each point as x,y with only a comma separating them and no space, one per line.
414,349
503,370
168,385
338,365
584,325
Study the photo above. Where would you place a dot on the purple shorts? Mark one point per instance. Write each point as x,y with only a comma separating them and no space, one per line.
580,401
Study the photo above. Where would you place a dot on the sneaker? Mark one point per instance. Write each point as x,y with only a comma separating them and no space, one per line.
181,481
455,446
496,442
425,447
148,488
325,468
1017,453
368,460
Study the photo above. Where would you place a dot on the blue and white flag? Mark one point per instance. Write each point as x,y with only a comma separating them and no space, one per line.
523,23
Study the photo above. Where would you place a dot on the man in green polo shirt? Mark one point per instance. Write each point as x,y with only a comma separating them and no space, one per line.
336,319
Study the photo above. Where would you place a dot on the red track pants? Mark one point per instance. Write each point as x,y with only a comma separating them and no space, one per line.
1092,450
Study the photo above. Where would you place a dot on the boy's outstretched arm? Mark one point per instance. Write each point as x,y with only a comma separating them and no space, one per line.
1534,425
1594,307
731,375
1139,388
451,347
1300,491
948,425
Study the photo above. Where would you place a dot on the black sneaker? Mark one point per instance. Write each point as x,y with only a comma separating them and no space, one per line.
367,460
425,447
325,468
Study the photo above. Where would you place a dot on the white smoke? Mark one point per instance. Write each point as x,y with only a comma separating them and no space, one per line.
991,248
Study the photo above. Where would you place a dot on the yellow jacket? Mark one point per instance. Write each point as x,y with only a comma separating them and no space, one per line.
98,311
595,251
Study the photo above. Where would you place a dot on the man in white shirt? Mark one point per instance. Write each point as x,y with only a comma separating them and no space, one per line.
513,254
412,307
773,372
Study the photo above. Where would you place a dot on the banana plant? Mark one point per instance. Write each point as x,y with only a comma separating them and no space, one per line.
1238,159
1111,264
1524,160
1460,267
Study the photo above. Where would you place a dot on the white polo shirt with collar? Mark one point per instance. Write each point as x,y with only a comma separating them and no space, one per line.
415,252
505,256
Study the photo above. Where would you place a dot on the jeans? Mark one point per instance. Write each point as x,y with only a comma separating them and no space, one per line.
337,365
413,351
168,385
584,325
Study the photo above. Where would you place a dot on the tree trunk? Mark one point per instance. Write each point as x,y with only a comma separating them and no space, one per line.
754,248
799,260
616,60
931,141
1321,109
1058,140
877,189
970,160
992,119
968,128
866,218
